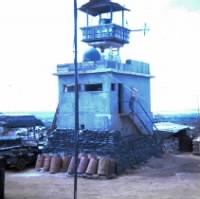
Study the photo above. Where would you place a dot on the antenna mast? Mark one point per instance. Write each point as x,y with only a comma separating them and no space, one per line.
76,133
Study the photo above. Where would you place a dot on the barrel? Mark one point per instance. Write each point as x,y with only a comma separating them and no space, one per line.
47,162
2,177
92,166
82,165
65,162
103,166
40,162
55,164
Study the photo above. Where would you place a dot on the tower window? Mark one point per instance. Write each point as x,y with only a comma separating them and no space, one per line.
70,88
64,88
93,87
113,86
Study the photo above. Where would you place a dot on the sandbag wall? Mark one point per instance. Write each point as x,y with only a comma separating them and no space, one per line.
127,151
100,142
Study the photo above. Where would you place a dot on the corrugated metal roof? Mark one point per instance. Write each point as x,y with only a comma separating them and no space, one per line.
97,7
171,127
19,121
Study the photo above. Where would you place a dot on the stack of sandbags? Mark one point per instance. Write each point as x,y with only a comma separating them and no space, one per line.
40,162
92,165
65,162
55,164
47,162
101,141
106,167
83,164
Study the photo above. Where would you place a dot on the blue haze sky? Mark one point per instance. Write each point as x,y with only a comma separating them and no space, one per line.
36,35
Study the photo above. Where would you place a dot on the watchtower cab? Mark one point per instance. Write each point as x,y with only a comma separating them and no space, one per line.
105,34
106,85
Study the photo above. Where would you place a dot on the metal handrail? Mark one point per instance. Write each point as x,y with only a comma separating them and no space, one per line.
147,114
143,124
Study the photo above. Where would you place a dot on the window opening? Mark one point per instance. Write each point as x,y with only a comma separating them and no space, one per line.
113,87
70,88
93,87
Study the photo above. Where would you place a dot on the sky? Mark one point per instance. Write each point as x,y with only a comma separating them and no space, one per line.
36,35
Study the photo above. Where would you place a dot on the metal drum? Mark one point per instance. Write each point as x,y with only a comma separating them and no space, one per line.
92,166
82,165
65,162
47,162
103,166
55,164
40,162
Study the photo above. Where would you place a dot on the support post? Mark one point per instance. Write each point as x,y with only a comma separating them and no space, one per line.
76,132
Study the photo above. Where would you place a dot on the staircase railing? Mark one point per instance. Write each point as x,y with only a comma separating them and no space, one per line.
142,118
140,124
148,115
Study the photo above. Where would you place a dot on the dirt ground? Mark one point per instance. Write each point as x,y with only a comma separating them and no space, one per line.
174,176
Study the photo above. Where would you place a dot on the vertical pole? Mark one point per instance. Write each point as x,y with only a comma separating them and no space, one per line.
76,132
123,24
111,14
198,108
87,20
122,18
100,19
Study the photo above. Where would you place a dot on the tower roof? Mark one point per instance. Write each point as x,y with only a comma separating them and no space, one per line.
96,7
